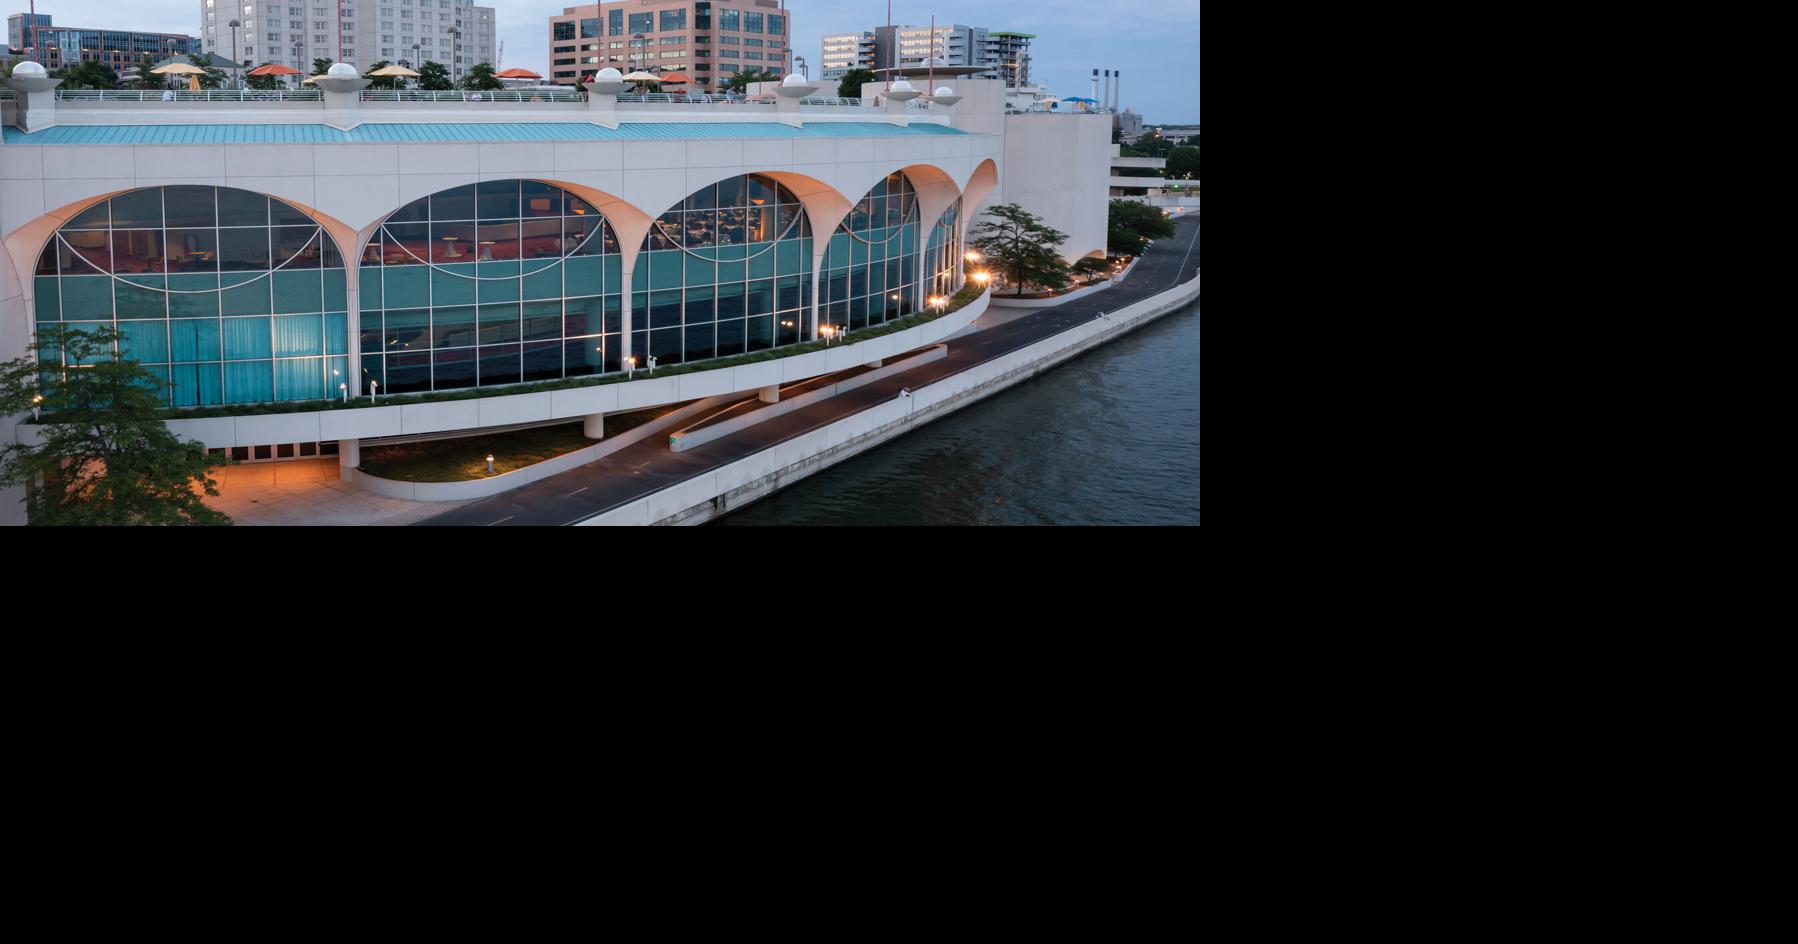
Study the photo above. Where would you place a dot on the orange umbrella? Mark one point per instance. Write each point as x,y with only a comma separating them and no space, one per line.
676,77
518,74
273,68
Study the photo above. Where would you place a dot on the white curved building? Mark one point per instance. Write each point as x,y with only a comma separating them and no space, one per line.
343,244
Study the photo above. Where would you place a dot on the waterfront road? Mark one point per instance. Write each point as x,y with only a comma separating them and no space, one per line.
649,466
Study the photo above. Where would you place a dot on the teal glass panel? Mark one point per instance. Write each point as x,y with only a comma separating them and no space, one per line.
452,327
159,385
787,257
448,289
147,301
196,384
538,264
336,369
730,301
701,272
370,323
299,335
497,200
761,333
369,282
193,296
144,341
408,330
730,337
194,339
499,365
49,299
406,287
761,261
499,324
664,309
496,270
545,283
700,306
584,275
730,271
250,298
249,383
761,297
246,338
301,379
242,208
89,326
138,208
336,282
614,266
497,290
190,206
583,317
664,270
298,292
282,214
86,297
337,332
542,320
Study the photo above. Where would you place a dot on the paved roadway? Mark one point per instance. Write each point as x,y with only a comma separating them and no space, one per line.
648,466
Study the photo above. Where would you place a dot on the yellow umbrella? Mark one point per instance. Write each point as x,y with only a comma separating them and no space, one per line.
396,70
179,68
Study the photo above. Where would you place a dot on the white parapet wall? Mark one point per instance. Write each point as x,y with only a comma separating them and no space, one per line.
725,489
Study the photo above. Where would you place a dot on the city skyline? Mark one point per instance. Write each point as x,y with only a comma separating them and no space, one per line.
1073,38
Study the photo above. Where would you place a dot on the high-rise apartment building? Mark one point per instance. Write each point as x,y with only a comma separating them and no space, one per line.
707,41
54,47
455,33
1005,55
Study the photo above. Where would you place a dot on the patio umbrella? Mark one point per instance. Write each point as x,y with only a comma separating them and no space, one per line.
518,74
192,72
273,68
641,76
393,70
676,77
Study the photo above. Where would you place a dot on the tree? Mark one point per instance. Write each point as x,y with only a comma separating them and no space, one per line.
740,81
1092,269
1183,163
214,77
1021,248
1131,224
480,78
147,80
91,74
105,457
433,77
321,66
853,81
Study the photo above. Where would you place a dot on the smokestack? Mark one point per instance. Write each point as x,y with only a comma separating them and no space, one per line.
1117,92
1105,97
1095,92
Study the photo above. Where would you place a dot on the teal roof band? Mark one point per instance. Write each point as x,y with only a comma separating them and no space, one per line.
464,131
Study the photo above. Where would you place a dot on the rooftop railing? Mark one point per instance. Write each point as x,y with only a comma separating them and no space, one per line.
503,95
670,98
834,102
208,95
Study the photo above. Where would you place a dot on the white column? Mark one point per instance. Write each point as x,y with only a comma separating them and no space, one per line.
349,456
594,426
769,394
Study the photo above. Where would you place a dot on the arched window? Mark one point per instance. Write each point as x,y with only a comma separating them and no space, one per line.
871,268
228,296
726,272
500,282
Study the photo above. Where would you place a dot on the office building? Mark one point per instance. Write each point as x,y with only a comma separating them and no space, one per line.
39,40
706,41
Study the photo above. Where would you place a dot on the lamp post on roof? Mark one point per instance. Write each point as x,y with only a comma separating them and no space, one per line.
455,49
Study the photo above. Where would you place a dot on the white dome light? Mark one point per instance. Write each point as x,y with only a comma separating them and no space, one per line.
944,91
29,68
901,86
342,70
795,79
609,75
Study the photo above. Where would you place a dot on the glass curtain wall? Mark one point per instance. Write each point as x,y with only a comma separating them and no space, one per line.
726,272
227,296
501,282
941,253
870,269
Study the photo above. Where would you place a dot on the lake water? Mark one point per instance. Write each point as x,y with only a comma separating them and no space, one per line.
1111,437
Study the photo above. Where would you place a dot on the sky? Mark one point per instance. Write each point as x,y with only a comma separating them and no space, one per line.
1154,42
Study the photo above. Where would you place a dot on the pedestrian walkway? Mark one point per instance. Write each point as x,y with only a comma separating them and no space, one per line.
308,492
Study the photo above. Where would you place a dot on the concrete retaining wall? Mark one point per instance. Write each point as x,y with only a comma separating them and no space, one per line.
481,488
707,496
1000,301
690,439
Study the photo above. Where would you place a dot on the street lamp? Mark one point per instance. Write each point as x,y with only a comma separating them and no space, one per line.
636,51
799,63
234,25
455,49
